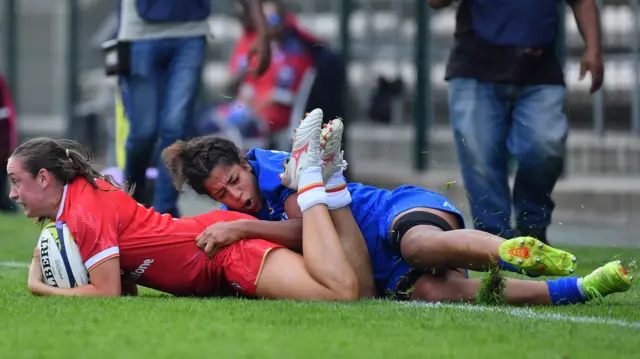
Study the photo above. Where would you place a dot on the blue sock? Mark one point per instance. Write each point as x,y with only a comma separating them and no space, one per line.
508,267
566,291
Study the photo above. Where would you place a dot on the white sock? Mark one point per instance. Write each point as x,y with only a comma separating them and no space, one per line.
311,189
339,195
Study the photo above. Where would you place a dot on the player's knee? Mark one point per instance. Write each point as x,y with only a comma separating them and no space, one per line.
419,234
417,247
429,288
426,290
450,287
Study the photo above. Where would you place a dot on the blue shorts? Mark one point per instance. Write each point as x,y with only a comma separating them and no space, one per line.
389,266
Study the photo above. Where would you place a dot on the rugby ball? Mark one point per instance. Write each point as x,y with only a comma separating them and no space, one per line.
60,258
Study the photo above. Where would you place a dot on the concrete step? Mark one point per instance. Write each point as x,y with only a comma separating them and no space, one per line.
615,154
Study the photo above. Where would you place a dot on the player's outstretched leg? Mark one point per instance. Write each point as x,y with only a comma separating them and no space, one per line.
428,246
339,199
454,287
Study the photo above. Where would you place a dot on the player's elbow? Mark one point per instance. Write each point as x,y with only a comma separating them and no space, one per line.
439,4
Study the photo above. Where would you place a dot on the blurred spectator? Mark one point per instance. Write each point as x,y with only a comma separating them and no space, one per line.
304,74
222,117
166,42
271,97
507,95
8,141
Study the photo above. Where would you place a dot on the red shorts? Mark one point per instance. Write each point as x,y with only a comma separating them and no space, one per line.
240,265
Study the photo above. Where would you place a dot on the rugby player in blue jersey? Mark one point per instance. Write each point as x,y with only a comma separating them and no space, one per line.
415,238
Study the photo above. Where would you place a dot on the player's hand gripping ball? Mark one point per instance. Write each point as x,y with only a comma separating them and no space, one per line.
60,259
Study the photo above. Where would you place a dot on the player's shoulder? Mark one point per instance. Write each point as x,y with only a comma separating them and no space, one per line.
81,187
267,161
260,155
99,198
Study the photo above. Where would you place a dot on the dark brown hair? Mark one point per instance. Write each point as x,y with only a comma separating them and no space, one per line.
191,162
66,160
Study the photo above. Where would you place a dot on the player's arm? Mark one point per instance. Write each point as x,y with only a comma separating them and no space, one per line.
439,4
287,233
105,281
94,229
292,209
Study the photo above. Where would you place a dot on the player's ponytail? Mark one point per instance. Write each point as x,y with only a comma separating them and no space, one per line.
191,162
173,161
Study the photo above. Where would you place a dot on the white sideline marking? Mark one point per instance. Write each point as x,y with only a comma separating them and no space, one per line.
516,312
527,313
13,264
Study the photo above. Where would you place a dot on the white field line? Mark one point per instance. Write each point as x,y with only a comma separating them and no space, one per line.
526,313
14,264
512,311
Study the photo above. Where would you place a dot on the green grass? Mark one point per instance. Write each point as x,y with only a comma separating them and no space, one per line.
158,326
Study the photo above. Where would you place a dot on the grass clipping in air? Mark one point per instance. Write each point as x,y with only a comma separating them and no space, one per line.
491,291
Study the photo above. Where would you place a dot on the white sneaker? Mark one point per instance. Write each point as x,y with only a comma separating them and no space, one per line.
331,142
305,152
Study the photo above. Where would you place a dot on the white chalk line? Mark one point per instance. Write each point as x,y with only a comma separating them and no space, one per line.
527,313
14,264
516,312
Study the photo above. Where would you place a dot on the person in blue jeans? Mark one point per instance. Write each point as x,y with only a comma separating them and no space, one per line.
167,48
506,97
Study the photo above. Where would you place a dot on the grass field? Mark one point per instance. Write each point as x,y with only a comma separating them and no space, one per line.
158,326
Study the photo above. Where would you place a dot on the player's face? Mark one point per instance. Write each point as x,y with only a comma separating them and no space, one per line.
28,191
235,186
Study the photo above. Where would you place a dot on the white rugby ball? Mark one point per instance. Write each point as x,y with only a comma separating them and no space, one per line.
60,258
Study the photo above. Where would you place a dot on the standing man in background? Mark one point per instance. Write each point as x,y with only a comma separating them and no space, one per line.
164,43
506,95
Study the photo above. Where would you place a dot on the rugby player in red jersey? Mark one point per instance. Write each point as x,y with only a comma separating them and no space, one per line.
53,181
